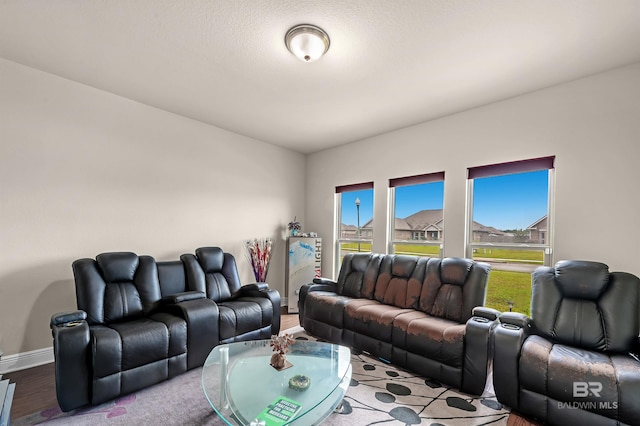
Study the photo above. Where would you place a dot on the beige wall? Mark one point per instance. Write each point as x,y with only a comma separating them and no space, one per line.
591,125
83,171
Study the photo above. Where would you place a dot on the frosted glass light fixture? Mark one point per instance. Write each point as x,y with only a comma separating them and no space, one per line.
307,42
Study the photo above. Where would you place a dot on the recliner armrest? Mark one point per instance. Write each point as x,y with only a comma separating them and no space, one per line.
508,338
71,347
183,297
263,290
68,319
487,313
326,281
255,286
201,315
477,349
318,284
515,319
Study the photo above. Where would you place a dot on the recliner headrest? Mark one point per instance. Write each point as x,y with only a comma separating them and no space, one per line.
455,270
360,261
211,259
581,279
403,266
118,266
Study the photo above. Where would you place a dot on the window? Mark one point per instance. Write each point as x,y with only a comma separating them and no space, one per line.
509,226
416,218
354,218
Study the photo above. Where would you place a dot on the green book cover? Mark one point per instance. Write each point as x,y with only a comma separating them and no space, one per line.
280,412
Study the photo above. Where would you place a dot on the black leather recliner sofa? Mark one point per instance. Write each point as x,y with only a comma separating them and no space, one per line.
140,322
423,314
575,361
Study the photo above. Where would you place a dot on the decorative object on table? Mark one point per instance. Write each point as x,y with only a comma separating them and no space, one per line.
280,345
259,255
299,383
294,227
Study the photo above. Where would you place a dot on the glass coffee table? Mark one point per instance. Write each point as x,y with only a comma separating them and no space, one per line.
244,389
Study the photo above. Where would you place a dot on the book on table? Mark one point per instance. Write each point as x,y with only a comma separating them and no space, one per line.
280,412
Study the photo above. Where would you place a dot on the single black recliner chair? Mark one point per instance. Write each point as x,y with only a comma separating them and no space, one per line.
247,312
575,361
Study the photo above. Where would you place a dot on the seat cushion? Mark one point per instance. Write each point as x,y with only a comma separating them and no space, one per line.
371,318
243,315
328,307
436,338
127,345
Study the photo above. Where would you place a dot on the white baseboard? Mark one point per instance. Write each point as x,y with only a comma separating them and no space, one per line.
24,360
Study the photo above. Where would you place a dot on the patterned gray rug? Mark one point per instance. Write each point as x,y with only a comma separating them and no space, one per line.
379,393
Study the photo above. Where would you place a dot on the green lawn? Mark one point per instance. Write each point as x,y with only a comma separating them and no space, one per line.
353,247
507,285
416,250
535,257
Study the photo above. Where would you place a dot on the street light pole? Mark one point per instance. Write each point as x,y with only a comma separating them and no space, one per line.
358,213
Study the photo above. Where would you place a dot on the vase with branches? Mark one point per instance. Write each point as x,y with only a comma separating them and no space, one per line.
258,252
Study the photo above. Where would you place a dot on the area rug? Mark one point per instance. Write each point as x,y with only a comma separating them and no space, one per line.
379,393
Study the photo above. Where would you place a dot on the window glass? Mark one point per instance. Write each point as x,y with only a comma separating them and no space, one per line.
510,228
418,219
355,220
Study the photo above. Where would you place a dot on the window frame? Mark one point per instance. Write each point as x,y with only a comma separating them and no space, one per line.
501,169
411,181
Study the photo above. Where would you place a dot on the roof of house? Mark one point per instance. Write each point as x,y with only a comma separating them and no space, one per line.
478,227
540,224
426,218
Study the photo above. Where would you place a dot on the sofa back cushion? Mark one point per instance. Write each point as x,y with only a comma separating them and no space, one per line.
358,274
172,277
579,303
400,280
116,286
452,287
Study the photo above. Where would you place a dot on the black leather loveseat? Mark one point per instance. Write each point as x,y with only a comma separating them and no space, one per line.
575,361
423,314
140,322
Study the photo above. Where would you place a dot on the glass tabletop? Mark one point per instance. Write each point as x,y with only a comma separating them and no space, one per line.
244,389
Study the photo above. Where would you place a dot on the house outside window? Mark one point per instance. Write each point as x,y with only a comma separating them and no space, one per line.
510,209
416,214
354,208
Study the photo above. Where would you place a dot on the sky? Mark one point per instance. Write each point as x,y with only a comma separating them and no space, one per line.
512,201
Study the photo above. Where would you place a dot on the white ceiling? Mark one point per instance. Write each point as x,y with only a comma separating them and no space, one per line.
392,63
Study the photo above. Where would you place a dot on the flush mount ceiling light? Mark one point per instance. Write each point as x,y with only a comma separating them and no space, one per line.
307,42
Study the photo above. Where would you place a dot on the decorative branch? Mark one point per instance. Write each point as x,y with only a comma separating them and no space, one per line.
280,344
259,255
